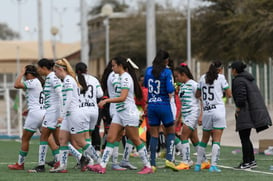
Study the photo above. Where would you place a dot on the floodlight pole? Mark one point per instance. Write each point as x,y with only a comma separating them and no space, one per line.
150,31
189,35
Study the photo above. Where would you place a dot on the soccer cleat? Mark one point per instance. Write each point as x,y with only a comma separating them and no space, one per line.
190,163
269,151
183,166
16,166
197,168
253,164
100,169
162,154
146,170
154,169
93,167
214,169
39,168
58,170
118,168
51,163
243,166
127,164
171,165
205,165
56,165
84,162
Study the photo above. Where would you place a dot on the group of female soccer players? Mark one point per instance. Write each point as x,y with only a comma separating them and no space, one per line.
65,109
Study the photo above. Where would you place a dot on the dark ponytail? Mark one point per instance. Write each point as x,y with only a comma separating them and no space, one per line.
104,78
183,68
129,68
212,73
81,68
159,63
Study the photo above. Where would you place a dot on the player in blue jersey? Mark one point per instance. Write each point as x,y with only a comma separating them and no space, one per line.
35,111
159,81
210,90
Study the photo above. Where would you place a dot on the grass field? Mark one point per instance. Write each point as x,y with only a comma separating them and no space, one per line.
9,155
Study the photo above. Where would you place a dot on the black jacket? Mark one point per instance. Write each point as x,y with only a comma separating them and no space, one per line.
247,96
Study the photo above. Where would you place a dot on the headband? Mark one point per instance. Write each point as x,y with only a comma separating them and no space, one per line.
59,65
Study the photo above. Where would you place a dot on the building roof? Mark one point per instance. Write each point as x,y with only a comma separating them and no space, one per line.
28,50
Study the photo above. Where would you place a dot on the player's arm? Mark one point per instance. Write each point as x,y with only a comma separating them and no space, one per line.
121,98
18,82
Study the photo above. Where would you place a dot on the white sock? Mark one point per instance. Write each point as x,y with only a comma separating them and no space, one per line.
200,154
143,154
89,150
64,151
21,157
186,152
75,152
215,154
42,153
108,151
115,153
127,150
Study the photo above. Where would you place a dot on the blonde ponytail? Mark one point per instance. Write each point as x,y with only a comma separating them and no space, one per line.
67,67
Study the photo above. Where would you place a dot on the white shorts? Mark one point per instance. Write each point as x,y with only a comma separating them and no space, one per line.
51,118
91,118
34,120
74,122
191,120
127,118
214,119
112,109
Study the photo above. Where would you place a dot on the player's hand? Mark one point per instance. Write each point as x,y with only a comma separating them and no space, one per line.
60,120
102,103
25,112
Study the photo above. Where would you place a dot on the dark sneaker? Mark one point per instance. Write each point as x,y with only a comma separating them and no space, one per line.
40,168
253,164
243,166
51,163
84,162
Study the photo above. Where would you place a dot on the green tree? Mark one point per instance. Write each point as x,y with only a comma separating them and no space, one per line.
6,33
232,30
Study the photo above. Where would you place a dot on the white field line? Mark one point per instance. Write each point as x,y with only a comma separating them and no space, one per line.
247,170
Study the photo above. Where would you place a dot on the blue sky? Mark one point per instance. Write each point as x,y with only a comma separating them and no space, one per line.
55,13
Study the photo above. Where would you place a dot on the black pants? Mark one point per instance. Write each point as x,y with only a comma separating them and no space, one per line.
247,147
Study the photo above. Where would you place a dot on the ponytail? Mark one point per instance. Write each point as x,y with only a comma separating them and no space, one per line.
212,73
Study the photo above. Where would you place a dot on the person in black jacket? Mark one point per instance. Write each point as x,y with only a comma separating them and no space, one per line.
251,111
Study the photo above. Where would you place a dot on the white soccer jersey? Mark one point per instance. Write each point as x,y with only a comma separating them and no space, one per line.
112,83
70,93
34,94
126,82
212,94
189,103
52,99
94,91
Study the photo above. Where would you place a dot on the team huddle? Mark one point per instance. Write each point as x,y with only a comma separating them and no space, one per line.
65,109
